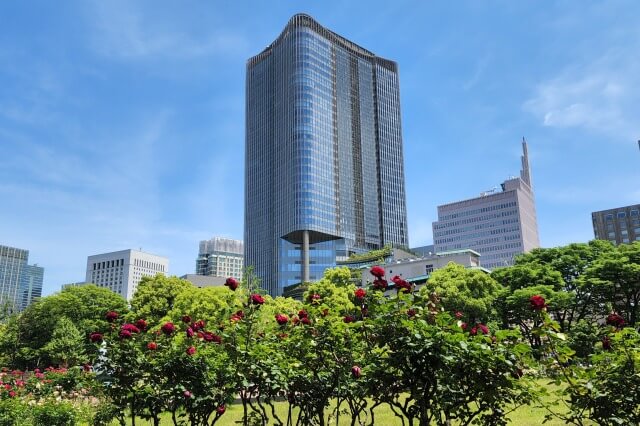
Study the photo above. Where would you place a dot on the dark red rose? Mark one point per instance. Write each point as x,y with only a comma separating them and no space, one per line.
325,312
240,313
141,324
306,321
360,293
282,319
400,284
168,328
256,299
606,343
464,326
191,350
537,302
96,337
303,314
348,319
232,283
187,394
235,318
210,337
125,334
152,346
111,316
615,320
473,331
483,328
459,314
221,409
190,332
356,371
198,325
295,320
377,271
411,312
130,328
315,298
186,319
380,284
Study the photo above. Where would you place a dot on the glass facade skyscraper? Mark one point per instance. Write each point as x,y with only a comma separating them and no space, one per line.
324,166
20,283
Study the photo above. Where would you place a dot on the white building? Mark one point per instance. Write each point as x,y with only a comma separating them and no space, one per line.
121,271
220,257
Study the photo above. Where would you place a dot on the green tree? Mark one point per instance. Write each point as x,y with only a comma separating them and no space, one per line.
66,347
85,306
469,291
156,296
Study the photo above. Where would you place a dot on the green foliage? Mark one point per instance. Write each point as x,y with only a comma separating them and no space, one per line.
54,413
371,256
13,412
156,296
469,291
583,338
84,305
66,346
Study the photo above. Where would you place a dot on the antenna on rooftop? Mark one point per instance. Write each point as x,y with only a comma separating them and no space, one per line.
525,173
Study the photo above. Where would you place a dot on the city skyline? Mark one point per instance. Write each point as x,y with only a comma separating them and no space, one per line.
122,125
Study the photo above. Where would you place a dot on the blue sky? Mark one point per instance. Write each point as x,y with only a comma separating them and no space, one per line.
122,122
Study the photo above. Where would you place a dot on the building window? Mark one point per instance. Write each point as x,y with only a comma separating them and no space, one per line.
622,215
428,269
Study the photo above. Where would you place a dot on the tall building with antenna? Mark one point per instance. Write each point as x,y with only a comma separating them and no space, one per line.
499,224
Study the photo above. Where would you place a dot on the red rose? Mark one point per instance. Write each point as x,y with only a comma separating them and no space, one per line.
348,319
400,284
411,312
210,337
459,314
315,298
125,334
96,337
380,284
191,350
325,312
282,319
303,314
141,324
483,328
130,328
360,293
377,271
221,409
152,346
187,394
473,331
306,321
615,320
198,325
168,328
256,299
189,332
606,343
232,283
111,316
537,302
356,371
186,319
12,394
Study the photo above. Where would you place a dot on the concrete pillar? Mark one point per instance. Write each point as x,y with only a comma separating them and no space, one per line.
305,256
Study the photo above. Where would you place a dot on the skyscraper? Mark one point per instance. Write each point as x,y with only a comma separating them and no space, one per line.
220,257
20,283
324,166
498,224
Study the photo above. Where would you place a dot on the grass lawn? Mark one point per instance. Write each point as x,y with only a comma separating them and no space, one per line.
523,416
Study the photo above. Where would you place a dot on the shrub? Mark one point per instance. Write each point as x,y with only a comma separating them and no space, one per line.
51,413
12,412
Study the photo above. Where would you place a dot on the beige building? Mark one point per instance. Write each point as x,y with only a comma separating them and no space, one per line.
499,224
220,257
620,225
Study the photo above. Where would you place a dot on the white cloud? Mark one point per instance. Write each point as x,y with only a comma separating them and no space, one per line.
600,95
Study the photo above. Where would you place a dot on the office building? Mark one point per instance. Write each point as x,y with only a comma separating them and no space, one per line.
20,283
499,224
31,286
324,174
121,271
202,281
220,257
620,226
